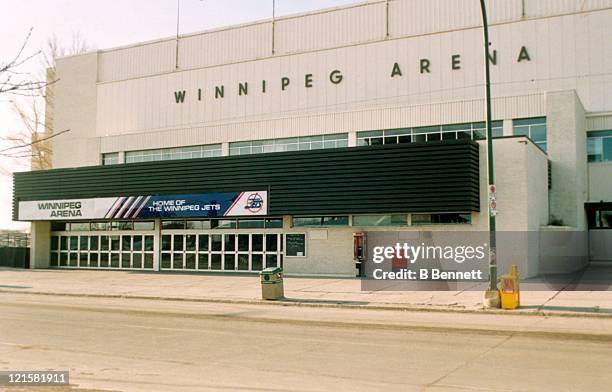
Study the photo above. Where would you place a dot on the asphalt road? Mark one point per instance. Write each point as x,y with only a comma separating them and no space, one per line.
144,345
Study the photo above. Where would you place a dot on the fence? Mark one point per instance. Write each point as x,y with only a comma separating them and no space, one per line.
15,257
14,240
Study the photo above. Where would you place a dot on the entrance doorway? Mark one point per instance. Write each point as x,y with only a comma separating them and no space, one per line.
599,216
226,251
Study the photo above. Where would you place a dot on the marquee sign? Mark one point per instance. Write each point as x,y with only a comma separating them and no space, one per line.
220,204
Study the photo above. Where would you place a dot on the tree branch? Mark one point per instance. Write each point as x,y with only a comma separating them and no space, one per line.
21,86
2,152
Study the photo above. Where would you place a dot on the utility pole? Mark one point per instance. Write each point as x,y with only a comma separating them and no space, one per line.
178,17
387,19
273,22
491,297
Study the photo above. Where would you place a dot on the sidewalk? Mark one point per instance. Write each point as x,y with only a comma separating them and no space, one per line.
212,287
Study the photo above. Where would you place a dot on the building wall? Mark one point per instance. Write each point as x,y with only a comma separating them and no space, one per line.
426,177
563,249
329,251
600,186
75,108
537,187
600,182
377,117
599,121
521,180
600,245
40,247
566,125
134,86
324,29
123,99
511,183
521,172
139,104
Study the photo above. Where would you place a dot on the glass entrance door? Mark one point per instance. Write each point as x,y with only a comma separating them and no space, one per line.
119,250
231,251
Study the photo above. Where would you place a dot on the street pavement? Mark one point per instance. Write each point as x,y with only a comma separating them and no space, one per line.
568,299
126,344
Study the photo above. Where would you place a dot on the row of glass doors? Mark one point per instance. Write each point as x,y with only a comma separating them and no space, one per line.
179,250
223,251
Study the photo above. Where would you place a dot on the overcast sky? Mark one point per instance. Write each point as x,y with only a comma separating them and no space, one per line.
109,23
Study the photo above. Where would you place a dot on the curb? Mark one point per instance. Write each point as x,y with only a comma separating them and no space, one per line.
409,327
297,302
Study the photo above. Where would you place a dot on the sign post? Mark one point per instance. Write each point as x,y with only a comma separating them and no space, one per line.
492,200
491,297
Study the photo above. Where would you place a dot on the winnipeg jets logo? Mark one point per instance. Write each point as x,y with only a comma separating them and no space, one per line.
254,202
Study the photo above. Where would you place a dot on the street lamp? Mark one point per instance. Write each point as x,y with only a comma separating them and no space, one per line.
491,297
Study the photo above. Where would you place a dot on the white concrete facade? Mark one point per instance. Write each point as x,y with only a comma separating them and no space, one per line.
128,93
402,63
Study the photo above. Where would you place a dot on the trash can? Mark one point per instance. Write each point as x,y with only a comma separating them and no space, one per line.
272,283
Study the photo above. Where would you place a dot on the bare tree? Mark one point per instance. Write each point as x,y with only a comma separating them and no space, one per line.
31,145
25,145
15,82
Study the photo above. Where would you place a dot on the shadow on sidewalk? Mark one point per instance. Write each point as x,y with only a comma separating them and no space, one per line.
589,278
